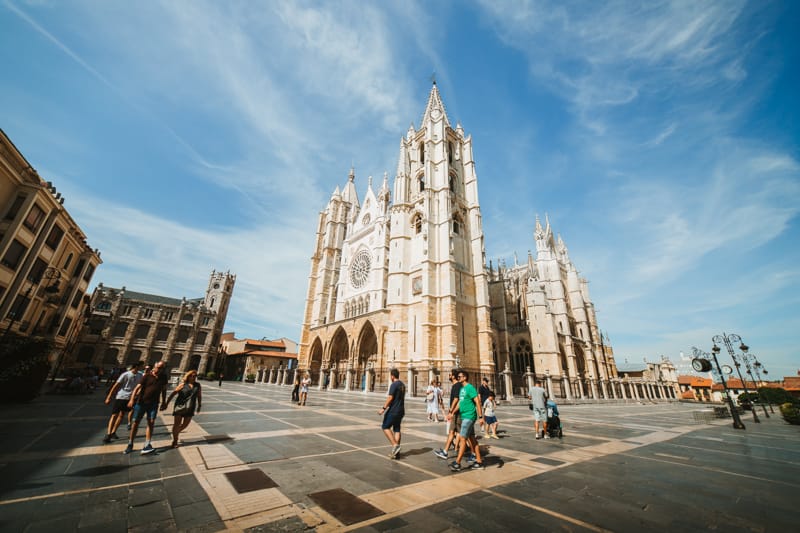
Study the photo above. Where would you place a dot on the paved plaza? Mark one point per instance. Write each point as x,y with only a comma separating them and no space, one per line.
254,461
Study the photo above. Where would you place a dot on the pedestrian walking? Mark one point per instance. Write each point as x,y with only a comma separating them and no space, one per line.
489,417
188,400
393,411
433,400
469,405
296,390
454,421
221,377
538,397
304,384
483,393
144,401
121,392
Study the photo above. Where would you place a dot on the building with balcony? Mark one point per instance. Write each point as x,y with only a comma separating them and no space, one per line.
46,263
124,326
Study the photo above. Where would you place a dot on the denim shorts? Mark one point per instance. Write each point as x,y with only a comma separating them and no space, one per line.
140,409
392,421
490,419
467,428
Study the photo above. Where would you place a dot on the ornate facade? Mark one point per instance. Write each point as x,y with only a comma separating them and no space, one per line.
46,263
126,326
401,280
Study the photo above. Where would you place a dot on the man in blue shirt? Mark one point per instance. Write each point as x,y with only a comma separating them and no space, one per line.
393,411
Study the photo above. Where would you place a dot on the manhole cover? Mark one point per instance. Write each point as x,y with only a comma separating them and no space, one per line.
250,480
345,507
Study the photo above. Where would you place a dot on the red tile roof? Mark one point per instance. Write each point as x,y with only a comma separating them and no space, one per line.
694,381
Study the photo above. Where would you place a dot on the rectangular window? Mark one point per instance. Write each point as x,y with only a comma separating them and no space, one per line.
89,272
65,327
147,313
17,311
79,268
14,254
120,329
127,310
34,218
15,207
168,315
201,338
54,239
142,330
206,320
77,300
37,270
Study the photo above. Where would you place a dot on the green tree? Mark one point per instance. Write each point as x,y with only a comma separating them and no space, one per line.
774,395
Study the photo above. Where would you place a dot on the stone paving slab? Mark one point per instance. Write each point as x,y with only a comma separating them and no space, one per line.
620,467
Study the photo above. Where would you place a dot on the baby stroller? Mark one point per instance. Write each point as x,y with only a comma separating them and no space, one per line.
553,421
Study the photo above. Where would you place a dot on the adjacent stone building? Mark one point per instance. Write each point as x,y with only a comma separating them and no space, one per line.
46,263
401,280
264,360
126,326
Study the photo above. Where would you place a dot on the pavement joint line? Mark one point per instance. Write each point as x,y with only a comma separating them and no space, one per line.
712,469
37,439
91,489
550,512
749,457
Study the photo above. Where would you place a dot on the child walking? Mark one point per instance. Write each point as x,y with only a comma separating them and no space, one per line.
489,418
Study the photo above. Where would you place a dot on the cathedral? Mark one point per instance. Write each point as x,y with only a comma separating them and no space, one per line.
400,280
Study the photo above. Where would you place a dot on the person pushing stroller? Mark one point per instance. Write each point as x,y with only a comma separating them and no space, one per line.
553,420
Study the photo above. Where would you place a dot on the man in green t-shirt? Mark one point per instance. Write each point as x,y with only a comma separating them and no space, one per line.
470,407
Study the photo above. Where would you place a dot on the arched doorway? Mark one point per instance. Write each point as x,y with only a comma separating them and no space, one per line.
580,363
315,360
367,352
339,357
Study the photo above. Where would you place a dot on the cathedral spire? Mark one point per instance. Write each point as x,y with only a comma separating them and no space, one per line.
435,108
349,193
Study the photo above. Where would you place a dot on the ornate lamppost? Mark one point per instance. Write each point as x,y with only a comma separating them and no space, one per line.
702,363
748,358
728,341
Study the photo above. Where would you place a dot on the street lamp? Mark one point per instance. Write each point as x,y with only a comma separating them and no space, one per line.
701,363
756,366
727,340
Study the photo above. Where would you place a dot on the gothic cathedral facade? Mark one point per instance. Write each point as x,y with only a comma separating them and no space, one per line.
401,280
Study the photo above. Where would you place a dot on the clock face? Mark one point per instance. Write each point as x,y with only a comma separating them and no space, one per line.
216,285
701,365
359,269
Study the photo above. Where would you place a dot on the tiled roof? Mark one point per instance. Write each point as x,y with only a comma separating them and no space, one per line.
267,353
151,298
263,342
694,381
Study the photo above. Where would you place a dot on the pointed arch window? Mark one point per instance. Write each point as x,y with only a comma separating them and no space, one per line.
457,224
450,153
417,223
422,152
452,183
421,183
523,357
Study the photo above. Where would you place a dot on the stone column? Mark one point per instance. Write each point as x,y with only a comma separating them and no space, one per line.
201,369
567,389
635,389
593,385
549,380
529,377
410,381
508,383
269,377
333,382
602,387
322,373
348,378
370,375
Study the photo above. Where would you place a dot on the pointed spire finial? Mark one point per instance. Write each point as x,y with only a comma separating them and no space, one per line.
352,175
433,77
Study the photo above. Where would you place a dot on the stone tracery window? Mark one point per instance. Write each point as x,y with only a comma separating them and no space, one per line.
523,356
417,223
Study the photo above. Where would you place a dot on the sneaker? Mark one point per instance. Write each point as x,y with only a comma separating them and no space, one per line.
440,453
114,436
477,466
471,458
455,467
395,451
494,436
106,439
547,435
538,437
148,449
128,449
129,426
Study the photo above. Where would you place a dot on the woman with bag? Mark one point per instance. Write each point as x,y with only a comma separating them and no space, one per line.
188,402
433,397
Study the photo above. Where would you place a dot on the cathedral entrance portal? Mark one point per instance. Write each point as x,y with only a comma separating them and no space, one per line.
315,361
367,353
338,360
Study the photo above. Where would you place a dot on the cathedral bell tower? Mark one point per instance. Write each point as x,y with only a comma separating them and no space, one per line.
437,291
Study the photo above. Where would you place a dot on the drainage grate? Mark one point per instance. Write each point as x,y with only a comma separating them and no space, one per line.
345,507
546,461
250,480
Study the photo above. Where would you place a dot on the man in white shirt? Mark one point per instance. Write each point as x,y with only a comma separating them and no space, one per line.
121,393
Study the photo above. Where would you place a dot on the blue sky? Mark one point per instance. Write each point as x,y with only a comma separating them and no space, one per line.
661,139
